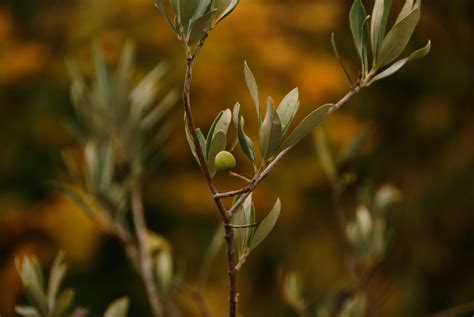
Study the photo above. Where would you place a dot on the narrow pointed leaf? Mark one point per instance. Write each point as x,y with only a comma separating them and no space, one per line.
397,39
245,142
159,4
222,122
326,158
253,88
360,30
422,52
266,225
288,108
378,24
118,308
225,7
58,271
306,126
270,132
406,10
219,142
200,27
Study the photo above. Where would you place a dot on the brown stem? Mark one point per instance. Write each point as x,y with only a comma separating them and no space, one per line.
145,260
261,174
229,232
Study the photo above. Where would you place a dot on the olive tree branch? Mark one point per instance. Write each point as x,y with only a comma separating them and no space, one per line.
226,219
145,268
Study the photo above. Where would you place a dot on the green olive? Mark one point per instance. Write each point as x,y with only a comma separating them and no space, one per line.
224,161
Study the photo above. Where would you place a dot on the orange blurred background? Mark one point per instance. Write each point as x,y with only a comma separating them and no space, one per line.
422,141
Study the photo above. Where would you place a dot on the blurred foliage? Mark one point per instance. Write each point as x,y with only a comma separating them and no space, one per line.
422,138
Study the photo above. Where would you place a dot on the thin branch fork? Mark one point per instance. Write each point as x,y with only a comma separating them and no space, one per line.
226,215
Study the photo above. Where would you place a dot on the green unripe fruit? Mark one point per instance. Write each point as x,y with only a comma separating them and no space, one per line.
224,161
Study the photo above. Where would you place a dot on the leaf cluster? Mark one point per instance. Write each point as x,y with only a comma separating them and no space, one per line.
192,20
48,300
385,47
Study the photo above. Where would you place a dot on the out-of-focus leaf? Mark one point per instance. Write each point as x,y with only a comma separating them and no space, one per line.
253,88
325,156
123,75
144,94
160,110
306,126
350,151
378,24
386,195
397,39
420,53
118,308
164,271
266,225
270,132
56,276
63,302
27,311
288,108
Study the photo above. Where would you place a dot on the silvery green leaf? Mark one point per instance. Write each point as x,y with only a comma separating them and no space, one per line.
360,30
397,39
187,9
306,126
221,122
244,216
288,108
378,24
118,308
26,311
253,88
159,4
218,144
201,138
245,142
224,8
200,27
422,52
202,8
63,302
408,7
266,225
56,276
270,132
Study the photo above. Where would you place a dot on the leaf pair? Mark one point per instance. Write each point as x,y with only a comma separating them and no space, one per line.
274,127
216,140
386,47
247,235
193,19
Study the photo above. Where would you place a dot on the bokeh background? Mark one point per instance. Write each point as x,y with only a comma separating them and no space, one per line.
422,141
